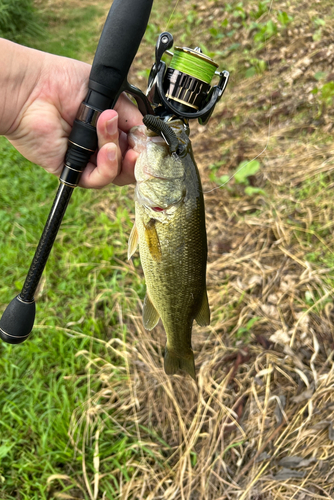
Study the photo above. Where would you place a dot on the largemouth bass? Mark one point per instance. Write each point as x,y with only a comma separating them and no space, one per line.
170,230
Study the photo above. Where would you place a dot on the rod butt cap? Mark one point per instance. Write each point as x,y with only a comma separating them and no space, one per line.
17,321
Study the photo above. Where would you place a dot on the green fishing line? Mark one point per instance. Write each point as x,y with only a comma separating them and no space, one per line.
194,64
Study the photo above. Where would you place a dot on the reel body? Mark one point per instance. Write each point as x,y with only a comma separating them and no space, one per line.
184,88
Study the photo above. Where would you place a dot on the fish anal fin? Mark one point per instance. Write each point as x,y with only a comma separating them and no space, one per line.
133,241
173,363
203,316
152,240
150,314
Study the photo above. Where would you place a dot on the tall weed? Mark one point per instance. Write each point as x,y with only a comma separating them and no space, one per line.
19,20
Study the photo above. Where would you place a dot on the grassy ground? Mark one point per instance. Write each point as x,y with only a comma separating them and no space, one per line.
87,411
44,380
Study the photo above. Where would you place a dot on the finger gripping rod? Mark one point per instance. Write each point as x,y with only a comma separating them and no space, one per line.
118,45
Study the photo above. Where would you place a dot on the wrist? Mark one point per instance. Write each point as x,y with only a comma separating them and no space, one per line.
21,69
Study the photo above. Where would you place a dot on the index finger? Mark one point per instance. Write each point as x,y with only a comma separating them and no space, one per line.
128,114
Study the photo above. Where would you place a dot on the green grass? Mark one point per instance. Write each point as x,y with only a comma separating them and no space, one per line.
18,20
71,32
42,380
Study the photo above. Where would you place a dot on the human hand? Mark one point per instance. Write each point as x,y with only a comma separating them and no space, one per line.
115,161
55,87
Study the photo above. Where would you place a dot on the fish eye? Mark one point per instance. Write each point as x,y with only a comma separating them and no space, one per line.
181,150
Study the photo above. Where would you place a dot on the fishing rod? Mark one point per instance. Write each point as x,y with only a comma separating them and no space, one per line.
182,90
118,45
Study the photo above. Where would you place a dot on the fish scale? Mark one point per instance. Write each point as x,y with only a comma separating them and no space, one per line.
173,249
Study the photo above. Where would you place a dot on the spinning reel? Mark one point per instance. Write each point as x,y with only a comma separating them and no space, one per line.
183,89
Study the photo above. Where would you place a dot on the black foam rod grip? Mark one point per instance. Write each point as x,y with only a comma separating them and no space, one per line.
118,45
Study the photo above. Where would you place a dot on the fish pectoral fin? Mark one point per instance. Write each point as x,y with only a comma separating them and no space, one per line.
152,240
133,241
203,316
173,363
150,314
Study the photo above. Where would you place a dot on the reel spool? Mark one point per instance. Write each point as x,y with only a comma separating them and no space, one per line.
184,88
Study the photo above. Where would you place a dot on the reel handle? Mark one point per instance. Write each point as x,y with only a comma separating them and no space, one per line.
118,45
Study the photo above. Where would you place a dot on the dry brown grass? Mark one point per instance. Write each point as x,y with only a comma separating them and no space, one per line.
260,424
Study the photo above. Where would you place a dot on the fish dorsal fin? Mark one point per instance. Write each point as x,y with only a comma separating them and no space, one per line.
203,316
150,314
152,240
133,241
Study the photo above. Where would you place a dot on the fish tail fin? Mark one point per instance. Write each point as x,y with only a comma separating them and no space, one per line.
173,363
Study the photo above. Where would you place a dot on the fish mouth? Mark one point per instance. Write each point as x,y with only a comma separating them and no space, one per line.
138,138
